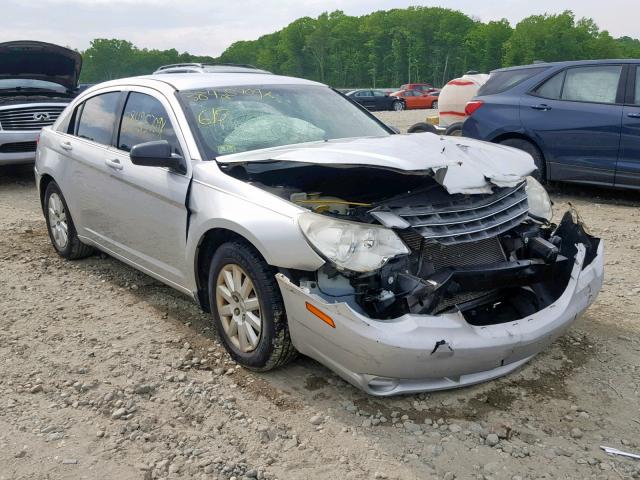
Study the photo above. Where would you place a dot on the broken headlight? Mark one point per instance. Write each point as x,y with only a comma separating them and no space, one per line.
539,201
350,245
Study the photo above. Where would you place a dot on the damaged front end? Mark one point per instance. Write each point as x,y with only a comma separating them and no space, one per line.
476,284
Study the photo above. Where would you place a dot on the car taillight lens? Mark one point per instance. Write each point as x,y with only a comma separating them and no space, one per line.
473,106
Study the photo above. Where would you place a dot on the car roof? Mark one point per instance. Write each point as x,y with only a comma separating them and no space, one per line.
568,63
194,81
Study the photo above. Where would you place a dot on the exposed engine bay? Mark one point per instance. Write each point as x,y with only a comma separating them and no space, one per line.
483,254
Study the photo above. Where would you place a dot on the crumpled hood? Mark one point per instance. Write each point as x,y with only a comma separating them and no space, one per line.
40,61
461,165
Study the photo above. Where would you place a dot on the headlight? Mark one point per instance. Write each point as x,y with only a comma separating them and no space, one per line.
350,245
540,205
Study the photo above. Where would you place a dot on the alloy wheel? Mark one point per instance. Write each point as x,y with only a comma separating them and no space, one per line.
58,223
238,307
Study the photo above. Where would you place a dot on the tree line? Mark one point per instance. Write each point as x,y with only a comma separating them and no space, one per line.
384,48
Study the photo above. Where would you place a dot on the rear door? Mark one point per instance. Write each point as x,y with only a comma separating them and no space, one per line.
145,213
576,117
93,131
628,170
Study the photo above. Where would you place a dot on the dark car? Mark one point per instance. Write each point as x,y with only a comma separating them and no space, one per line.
377,100
37,81
579,120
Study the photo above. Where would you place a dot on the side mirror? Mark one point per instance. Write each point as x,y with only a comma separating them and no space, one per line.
157,154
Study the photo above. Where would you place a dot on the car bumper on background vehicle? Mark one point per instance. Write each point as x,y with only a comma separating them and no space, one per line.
18,147
417,353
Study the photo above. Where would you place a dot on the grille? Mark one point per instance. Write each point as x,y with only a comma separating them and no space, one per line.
481,252
468,219
29,118
18,147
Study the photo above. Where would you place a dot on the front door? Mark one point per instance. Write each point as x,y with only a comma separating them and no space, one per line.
146,206
628,171
576,118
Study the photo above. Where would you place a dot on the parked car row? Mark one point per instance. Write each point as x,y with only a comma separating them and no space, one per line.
410,96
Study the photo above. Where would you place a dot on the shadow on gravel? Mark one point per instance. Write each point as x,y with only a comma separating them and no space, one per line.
20,174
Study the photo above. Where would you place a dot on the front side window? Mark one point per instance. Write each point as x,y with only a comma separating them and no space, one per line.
98,118
592,84
378,93
363,93
239,119
144,119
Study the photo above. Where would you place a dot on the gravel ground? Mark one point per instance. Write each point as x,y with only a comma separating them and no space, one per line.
106,373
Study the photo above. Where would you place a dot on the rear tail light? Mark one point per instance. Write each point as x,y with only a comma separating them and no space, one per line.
472,106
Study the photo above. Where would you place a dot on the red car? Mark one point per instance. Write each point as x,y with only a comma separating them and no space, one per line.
417,99
420,87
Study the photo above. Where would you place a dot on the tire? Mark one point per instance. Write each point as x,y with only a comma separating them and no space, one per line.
62,230
434,105
454,130
236,313
540,173
422,127
397,106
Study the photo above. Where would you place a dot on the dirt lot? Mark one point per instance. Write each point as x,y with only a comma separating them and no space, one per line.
108,374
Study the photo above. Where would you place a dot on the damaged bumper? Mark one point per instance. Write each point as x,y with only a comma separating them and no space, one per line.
416,353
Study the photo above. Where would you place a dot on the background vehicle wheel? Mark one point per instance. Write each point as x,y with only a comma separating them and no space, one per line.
247,308
454,130
434,105
422,127
62,231
397,106
541,173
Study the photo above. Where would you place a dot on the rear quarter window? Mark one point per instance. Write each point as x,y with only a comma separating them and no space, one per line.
501,81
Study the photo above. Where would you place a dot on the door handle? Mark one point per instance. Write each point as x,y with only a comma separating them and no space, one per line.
633,115
542,106
66,146
114,163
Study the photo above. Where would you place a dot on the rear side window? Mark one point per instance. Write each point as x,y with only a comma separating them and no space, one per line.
145,120
501,81
592,84
98,118
552,88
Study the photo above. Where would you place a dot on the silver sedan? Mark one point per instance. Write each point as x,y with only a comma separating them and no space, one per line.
303,224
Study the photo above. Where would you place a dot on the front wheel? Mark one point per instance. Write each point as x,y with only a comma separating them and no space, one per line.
62,230
397,106
247,308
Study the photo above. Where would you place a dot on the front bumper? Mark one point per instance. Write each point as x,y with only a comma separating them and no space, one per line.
417,353
17,137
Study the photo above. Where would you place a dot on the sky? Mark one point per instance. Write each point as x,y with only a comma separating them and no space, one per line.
207,27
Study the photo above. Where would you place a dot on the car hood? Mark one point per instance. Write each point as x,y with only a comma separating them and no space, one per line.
40,61
459,164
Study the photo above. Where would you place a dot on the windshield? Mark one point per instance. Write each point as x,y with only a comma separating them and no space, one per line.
29,84
239,119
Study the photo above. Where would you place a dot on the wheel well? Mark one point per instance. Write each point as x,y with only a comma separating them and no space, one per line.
207,247
44,182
